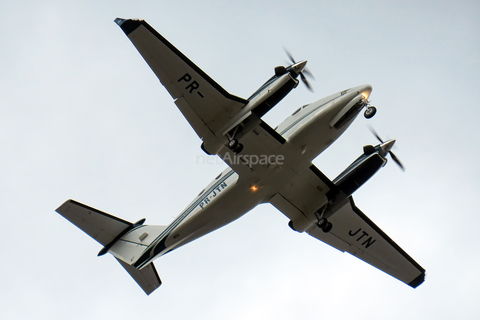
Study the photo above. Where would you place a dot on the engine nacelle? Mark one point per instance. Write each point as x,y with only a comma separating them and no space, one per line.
271,93
359,172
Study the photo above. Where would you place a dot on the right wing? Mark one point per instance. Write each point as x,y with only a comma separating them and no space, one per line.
356,234
203,102
352,230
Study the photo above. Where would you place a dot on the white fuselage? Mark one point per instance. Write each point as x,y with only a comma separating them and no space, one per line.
307,133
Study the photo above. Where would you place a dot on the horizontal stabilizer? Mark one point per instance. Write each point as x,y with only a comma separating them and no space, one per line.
99,225
147,278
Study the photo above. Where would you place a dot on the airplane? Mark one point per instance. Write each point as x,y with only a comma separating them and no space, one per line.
266,165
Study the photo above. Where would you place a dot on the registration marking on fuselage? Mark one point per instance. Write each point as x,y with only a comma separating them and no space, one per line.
219,188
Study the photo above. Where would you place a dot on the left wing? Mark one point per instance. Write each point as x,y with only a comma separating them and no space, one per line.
204,103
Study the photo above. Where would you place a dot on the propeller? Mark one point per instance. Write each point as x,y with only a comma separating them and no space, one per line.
394,157
305,72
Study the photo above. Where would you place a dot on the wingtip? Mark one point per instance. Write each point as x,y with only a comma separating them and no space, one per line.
120,21
418,280
128,25
63,205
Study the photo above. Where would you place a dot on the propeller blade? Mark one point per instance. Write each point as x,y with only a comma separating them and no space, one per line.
289,55
308,73
394,158
305,81
303,73
375,134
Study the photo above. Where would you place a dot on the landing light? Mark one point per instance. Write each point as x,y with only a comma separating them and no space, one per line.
366,93
254,188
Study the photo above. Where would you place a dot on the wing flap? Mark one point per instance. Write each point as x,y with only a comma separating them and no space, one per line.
355,233
197,123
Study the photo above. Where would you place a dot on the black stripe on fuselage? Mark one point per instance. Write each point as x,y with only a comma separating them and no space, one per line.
129,26
158,245
306,115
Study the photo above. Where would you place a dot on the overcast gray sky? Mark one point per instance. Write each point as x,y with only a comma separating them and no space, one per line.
83,117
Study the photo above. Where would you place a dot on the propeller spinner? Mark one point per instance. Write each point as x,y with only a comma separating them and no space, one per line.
386,146
299,68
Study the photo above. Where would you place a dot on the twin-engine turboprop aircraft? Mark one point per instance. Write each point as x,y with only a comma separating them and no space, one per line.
266,166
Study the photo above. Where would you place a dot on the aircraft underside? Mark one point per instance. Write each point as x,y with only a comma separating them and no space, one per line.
266,165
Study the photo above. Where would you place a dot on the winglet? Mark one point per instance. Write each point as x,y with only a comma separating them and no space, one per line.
128,25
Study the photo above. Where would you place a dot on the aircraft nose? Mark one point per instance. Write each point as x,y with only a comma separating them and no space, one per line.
299,66
365,90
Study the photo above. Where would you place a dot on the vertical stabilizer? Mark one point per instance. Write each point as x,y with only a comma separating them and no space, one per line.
147,278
